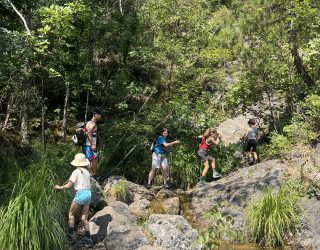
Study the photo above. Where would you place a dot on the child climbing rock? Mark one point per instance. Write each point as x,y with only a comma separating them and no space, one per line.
251,137
80,179
211,136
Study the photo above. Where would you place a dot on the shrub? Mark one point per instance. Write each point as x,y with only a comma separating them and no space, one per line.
274,216
279,146
120,190
221,227
300,132
26,221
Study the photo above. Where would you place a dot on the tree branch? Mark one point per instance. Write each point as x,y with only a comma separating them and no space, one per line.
20,15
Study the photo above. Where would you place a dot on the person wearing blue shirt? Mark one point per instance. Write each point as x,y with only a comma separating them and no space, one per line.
159,158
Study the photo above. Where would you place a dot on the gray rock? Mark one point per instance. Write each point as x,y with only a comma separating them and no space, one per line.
234,191
140,208
98,200
171,205
309,235
171,231
135,192
117,228
232,130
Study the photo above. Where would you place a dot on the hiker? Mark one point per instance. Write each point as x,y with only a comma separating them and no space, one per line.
211,136
90,145
159,158
251,137
80,179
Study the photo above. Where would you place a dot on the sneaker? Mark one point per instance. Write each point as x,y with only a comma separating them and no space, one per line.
216,175
166,186
148,186
87,241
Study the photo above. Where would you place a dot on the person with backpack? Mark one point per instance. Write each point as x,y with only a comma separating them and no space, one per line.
251,138
210,137
159,157
80,180
90,146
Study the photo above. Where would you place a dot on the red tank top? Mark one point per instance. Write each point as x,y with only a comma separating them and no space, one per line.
204,144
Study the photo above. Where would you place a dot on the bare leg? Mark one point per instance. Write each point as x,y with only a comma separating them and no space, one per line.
93,166
255,156
72,211
213,164
151,175
84,217
206,168
165,174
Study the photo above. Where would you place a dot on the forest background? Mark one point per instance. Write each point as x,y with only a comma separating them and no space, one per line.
147,64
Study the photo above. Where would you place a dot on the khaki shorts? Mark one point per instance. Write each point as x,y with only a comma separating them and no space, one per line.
159,160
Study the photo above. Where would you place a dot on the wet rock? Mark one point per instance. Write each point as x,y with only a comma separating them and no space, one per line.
171,231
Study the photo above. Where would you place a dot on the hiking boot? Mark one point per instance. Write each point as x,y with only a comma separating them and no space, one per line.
202,180
216,175
70,237
87,241
148,186
166,186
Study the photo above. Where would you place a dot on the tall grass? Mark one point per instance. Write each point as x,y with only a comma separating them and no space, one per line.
35,216
274,216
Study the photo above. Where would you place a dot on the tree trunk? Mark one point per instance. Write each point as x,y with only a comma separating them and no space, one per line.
8,112
65,112
43,110
296,57
24,121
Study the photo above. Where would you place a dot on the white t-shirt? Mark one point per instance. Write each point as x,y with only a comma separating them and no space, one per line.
80,179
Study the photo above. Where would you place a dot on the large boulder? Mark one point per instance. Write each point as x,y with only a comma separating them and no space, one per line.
98,200
233,129
233,191
134,192
117,228
171,205
309,235
171,231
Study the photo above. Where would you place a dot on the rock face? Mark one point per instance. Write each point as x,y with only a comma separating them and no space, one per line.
171,231
117,228
98,201
234,192
171,205
233,129
309,236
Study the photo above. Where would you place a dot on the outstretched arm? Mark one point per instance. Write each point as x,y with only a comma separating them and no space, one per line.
65,186
168,144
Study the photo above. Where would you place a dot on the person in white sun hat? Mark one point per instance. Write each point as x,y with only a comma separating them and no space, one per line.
80,179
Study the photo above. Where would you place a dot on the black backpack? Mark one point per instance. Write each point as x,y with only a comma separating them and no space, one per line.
79,136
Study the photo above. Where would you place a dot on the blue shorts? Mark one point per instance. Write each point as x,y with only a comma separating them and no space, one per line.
90,155
83,197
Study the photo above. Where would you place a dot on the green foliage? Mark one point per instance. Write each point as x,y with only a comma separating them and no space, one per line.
300,132
221,227
27,224
273,216
278,147
120,190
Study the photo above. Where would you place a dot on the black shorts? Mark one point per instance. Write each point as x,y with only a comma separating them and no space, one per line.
252,145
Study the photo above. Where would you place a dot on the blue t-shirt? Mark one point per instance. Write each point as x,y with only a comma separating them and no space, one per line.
159,147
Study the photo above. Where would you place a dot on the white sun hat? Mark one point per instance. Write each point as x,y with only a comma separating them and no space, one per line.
80,160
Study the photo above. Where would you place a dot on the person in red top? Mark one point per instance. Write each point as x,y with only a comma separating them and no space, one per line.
211,136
